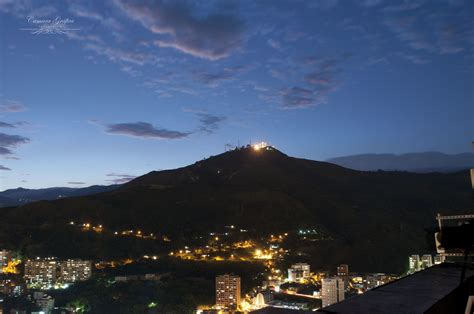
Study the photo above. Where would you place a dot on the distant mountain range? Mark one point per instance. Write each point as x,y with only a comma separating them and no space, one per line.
412,162
376,219
21,196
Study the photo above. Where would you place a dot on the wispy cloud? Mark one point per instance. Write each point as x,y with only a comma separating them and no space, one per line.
369,3
144,130
4,168
298,97
317,83
324,74
119,178
92,14
76,183
211,37
404,27
12,106
404,6
6,125
427,30
214,78
323,4
121,56
274,44
210,123
7,140
5,151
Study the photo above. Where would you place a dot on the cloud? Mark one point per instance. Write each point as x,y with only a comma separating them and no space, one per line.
92,14
144,130
406,6
274,44
369,3
454,38
4,168
5,151
323,4
213,79
121,56
318,83
6,125
405,29
119,178
76,182
7,140
430,31
21,8
414,58
324,74
275,73
12,106
298,97
209,123
212,37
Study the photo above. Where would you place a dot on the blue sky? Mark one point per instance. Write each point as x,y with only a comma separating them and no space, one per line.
120,88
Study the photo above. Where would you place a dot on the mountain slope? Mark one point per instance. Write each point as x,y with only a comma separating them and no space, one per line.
413,162
20,196
375,218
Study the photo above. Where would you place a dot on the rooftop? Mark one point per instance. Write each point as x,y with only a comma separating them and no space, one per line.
434,290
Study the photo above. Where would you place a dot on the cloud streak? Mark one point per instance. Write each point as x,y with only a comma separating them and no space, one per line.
317,84
210,123
144,130
4,168
76,182
5,151
211,37
119,178
12,106
6,125
7,140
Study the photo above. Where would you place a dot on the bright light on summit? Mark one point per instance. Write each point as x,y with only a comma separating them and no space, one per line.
260,145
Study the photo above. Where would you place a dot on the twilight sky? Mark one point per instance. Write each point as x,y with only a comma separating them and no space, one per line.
120,88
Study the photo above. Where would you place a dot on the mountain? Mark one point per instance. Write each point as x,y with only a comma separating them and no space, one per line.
20,196
413,162
373,220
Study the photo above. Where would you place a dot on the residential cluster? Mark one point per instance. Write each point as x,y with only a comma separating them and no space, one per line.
48,273
38,275
417,263
300,290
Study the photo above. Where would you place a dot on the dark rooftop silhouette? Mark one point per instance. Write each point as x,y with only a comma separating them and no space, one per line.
434,290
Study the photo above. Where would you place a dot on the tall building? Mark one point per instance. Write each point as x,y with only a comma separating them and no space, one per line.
73,270
228,291
332,290
41,273
298,272
426,261
343,270
414,263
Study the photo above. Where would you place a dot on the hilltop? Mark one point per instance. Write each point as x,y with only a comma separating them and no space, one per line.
376,219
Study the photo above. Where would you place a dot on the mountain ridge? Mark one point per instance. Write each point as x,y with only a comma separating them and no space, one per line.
376,219
413,162
20,196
